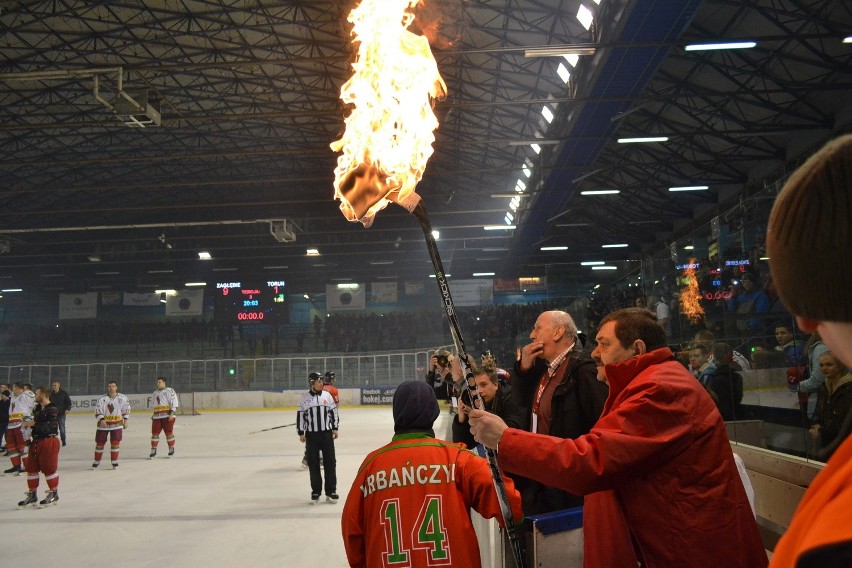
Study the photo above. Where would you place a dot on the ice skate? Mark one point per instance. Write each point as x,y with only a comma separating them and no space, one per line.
314,498
171,451
153,453
332,498
95,465
50,499
16,469
304,463
114,465
30,499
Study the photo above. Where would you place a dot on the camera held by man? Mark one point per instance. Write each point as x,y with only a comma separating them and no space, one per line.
440,376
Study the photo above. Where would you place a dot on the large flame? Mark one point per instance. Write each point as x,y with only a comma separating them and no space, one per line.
690,296
389,133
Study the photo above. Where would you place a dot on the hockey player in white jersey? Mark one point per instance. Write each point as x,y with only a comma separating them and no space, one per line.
166,403
20,409
111,412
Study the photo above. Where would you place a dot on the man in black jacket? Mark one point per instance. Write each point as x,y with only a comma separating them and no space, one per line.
556,380
63,403
725,384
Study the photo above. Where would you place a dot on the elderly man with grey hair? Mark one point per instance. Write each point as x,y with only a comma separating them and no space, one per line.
556,381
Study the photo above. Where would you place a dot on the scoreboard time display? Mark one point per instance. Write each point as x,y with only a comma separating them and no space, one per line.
250,302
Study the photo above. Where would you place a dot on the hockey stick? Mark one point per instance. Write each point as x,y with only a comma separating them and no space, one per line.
419,211
273,428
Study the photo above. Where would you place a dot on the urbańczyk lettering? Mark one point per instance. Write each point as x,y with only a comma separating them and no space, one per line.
423,474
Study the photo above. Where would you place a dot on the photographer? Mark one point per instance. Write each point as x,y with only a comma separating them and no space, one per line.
498,400
439,376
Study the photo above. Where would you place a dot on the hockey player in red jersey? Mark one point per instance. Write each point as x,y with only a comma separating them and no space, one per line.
410,502
328,386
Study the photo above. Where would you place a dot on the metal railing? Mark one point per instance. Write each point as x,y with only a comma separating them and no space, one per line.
203,375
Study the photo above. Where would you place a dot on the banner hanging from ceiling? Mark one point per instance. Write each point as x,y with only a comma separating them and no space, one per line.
78,306
383,292
472,292
345,299
135,299
185,303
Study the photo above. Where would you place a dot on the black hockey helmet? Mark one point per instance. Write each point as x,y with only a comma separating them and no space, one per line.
329,377
313,377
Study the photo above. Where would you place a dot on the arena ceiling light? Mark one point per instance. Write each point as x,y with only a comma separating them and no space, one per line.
615,246
497,228
600,192
720,46
593,263
12,290
604,268
195,284
585,17
643,139
204,255
312,252
560,51
483,273
690,188
553,248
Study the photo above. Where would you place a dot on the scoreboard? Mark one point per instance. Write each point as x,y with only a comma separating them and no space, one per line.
250,302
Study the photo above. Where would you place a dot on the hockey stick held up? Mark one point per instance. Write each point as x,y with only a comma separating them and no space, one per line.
413,205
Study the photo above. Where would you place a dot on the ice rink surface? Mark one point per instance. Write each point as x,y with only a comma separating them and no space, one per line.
227,498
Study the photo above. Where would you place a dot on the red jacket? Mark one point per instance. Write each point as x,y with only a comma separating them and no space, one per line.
820,534
410,505
662,462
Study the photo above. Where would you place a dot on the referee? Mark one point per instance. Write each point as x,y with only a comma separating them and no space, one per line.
316,424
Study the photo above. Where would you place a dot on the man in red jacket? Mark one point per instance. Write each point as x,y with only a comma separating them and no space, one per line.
410,502
657,467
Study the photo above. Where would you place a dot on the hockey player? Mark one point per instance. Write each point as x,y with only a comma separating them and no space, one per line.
419,490
20,410
44,450
316,423
111,412
166,403
328,386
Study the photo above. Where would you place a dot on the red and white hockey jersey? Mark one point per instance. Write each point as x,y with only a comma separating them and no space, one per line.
113,411
410,505
165,403
20,409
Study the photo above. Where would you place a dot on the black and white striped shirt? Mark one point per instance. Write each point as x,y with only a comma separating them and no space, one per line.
317,413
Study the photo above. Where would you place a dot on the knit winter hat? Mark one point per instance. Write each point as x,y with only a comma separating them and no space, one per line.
810,234
415,407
